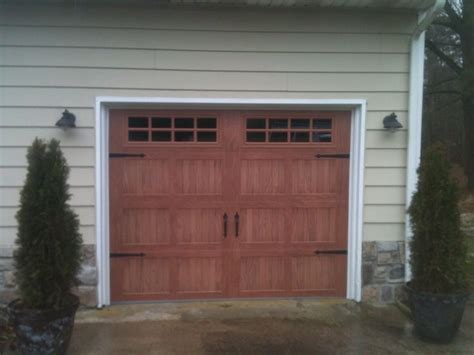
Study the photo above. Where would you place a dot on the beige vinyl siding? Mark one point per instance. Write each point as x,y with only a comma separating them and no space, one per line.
204,40
198,80
56,58
205,61
383,231
384,213
385,177
73,98
390,158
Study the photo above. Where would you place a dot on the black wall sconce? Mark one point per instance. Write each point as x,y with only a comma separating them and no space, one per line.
391,123
67,120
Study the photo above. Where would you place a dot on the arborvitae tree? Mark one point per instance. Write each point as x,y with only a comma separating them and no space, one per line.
438,250
48,255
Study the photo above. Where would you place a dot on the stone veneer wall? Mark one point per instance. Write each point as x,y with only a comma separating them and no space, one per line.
383,272
88,277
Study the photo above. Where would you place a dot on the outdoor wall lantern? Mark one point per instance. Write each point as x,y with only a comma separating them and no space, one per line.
67,120
391,123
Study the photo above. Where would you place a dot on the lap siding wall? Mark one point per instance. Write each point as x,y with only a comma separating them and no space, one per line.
52,58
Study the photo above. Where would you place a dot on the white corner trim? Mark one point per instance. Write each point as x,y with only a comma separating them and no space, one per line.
356,174
415,115
415,110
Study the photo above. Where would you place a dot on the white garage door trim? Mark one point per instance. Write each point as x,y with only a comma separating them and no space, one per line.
356,175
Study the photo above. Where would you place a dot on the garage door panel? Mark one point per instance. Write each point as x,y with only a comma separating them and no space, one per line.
313,273
288,201
202,176
313,225
262,274
165,201
145,226
141,276
263,225
343,182
263,176
199,226
142,177
200,275
183,152
313,176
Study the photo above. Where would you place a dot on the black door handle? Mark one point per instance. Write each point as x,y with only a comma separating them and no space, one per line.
224,217
237,219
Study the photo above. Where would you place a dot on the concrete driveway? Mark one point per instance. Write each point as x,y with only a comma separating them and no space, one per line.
323,326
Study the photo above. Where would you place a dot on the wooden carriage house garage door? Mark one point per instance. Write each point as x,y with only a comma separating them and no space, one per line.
207,204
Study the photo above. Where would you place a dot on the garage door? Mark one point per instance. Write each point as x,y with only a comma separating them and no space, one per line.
207,204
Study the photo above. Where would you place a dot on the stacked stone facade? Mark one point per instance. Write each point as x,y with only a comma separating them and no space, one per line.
87,277
383,271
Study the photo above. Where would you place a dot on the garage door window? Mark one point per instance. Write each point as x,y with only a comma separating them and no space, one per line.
172,129
288,130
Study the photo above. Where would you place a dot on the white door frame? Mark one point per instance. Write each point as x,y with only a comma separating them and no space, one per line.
356,174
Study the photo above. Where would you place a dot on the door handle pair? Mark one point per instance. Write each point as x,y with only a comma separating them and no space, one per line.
225,219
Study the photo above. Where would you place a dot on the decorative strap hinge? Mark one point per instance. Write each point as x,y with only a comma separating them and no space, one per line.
125,155
125,255
337,156
332,251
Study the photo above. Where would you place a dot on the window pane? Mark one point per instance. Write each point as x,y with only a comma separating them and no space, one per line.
300,136
324,137
322,123
161,122
185,136
138,122
206,123
300,123
278,123
184,123
256,123
255,136
138,136
278,137
159,136
206,136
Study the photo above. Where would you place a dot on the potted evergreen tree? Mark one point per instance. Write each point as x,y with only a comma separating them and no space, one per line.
438,289
48,255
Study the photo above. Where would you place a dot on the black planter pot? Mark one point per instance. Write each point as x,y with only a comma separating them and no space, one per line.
437,316
42,331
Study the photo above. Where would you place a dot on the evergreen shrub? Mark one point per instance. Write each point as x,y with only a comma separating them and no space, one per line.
49,245
438,249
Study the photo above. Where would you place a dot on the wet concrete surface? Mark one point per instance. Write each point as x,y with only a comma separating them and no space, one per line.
323,326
